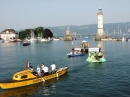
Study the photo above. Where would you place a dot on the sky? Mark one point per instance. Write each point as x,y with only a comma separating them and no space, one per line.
24,14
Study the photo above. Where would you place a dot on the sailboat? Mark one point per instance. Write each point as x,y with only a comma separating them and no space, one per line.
55,37
32,36
123,38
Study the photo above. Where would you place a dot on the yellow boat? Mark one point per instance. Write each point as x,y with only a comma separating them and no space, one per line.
31,89
26,77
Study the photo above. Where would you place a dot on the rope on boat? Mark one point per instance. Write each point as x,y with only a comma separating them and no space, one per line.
43,80
57,75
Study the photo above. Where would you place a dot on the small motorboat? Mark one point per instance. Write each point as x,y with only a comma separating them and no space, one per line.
26,43
27,77
76,52
92,59
75,55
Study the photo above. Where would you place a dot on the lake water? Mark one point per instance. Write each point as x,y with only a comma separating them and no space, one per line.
108,79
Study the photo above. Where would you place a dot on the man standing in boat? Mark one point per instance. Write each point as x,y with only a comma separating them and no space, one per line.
46,70
38,71
53,68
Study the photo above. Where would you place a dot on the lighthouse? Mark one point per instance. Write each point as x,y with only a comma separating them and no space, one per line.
68,36
100,33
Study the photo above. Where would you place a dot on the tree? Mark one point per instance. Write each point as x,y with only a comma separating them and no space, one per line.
48,33
24,34
40,31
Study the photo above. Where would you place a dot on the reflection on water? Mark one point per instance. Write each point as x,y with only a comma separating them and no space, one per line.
95,64
68,44
47,88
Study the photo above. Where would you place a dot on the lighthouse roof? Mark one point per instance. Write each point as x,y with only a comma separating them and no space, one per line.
100,12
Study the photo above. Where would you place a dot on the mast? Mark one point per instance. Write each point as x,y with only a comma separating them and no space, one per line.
118,30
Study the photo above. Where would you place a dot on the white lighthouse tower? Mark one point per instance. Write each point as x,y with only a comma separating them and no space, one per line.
100,32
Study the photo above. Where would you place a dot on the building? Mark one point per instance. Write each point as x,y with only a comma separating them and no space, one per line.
100,32
8,34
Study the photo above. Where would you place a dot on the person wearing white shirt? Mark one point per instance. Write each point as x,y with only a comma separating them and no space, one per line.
42,73
38,71
53,68
46,70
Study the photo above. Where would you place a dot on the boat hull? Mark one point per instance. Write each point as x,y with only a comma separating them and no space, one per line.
90,59
16,84
26,44
75,55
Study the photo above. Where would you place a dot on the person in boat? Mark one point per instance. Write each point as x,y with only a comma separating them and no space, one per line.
100,54
31,68
42,73
82,51
71,53
75,52
95,55
38,71
46,70
89,54
53,68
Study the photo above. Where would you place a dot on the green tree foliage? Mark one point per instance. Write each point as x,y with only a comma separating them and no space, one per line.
24,34
48,33
27,33
40,31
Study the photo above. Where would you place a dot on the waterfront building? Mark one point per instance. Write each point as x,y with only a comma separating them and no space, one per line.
8,34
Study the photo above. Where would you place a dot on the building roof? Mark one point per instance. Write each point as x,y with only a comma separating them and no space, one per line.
9,31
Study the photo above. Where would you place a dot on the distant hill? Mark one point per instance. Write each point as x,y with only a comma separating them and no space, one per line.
91,29
109,28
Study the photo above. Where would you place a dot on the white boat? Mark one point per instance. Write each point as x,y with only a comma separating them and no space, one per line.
56,39
45,39
32,36
123,39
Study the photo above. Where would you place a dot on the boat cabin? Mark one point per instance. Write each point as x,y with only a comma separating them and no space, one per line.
23,75
78,50
92,50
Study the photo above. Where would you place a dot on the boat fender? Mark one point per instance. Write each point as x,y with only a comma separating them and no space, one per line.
43,80
57,75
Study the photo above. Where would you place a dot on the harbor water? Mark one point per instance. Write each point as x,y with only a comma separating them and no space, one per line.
108,79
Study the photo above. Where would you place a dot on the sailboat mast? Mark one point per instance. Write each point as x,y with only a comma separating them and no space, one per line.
118,30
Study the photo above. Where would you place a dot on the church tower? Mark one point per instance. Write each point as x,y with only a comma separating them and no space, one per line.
100,33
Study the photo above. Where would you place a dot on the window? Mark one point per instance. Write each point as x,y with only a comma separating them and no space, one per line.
24,76
16,76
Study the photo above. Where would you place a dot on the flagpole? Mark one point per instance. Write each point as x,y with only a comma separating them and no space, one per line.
26,64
